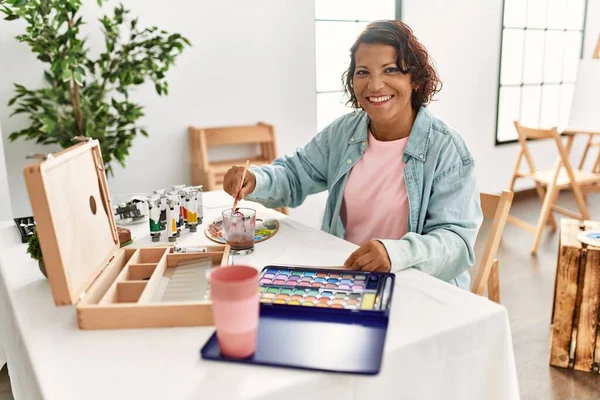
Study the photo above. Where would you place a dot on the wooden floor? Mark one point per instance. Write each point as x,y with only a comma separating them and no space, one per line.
526,285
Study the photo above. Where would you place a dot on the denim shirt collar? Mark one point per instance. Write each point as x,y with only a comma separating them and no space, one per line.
418,140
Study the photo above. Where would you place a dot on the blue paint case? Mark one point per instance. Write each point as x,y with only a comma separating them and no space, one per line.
322,338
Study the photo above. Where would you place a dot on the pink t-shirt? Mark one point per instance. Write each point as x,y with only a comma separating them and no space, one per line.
375,204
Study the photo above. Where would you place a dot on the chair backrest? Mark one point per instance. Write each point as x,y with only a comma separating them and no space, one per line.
526,133
495,208
201,139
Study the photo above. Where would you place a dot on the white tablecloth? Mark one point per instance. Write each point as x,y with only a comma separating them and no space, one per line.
442,342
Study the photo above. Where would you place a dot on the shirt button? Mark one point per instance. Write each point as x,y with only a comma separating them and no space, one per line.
349,161
364,144
352,139
421,156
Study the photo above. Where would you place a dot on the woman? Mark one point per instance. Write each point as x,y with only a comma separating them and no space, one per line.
401,183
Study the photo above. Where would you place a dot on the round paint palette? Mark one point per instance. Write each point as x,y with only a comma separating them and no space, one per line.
265,229
590,238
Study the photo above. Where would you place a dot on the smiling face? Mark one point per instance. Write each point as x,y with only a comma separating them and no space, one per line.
381,89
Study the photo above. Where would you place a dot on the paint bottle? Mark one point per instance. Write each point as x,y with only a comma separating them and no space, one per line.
154,212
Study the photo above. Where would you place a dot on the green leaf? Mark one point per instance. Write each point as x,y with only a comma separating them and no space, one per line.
44,57
144,132
158,88
20,3
12,101
78,78
12,17
67,75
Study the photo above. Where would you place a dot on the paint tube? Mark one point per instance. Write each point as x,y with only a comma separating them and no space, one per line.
154,211
172,214
182,221
173,196
199,205
163,212
189,249
163,207
192,213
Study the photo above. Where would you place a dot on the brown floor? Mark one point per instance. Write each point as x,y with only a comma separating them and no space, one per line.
526,285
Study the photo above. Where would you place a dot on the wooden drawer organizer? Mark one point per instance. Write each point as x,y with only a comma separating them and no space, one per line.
125,295
112,288
575,330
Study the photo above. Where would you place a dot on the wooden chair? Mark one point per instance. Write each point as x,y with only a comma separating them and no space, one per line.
210,174
496,209
550,181
591,144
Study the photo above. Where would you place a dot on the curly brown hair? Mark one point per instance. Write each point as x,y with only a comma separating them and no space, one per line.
412,58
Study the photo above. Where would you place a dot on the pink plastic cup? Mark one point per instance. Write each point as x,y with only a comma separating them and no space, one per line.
235,305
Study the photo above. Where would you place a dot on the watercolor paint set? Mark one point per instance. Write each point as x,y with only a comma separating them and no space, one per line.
341,316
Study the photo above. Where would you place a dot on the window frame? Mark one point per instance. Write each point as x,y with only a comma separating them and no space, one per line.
398,16
541,85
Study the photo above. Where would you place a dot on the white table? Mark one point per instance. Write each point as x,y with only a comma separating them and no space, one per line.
442,342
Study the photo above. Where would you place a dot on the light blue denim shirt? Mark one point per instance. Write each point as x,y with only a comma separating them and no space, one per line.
444,208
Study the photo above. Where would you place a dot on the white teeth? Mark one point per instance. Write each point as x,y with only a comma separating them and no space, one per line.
380,99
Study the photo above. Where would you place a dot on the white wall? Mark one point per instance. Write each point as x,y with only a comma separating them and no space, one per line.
250,61
254,60
463,37
5,203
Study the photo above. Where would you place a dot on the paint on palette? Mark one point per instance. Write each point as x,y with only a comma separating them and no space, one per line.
350,291
354,282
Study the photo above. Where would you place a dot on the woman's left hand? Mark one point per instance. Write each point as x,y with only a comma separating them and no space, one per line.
371,256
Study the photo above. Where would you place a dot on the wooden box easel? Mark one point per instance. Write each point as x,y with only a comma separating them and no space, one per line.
591,144
575,334
112,288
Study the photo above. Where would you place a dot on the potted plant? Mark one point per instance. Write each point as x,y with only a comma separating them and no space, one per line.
87,96
35,251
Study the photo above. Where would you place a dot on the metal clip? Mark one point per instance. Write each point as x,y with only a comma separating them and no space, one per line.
81,139
39,156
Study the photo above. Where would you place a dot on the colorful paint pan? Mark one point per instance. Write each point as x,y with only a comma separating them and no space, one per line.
290,286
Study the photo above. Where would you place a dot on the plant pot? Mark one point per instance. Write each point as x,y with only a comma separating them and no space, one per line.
42,267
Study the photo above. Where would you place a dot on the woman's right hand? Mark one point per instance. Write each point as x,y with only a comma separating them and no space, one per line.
233,179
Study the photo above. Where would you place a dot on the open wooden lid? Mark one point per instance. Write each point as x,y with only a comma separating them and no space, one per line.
73,214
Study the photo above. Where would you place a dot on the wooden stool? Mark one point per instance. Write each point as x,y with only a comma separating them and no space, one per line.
575,335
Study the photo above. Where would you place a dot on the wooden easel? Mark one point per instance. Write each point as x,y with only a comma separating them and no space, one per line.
590,143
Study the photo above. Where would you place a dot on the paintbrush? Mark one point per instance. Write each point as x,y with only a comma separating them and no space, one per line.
237,198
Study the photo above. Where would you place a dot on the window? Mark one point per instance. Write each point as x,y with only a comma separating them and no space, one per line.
542,42
337,24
